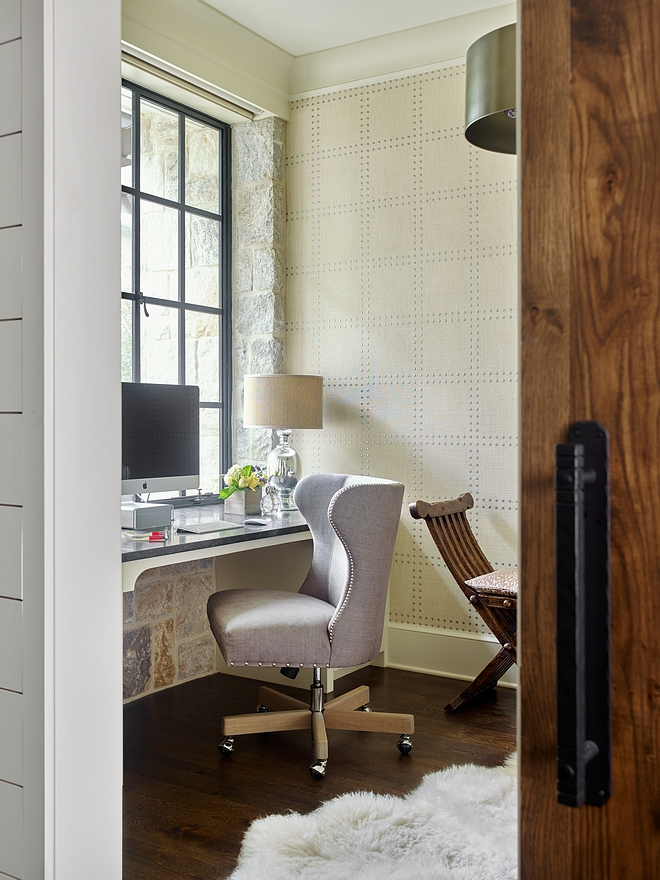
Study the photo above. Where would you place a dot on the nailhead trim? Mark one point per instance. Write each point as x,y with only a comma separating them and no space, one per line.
275,663
348,553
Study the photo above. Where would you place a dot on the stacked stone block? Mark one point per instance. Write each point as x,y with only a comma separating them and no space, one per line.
167,638
258,269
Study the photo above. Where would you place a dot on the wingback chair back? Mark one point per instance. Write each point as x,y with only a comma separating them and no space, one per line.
353,521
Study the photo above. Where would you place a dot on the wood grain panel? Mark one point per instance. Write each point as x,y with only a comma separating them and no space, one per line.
293,719
606,302
615,142
544,412
376,722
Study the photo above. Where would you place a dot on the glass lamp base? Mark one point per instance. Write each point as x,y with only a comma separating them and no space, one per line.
281,466
286,501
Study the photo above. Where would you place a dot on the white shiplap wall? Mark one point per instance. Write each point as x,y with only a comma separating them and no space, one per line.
11,499
60,805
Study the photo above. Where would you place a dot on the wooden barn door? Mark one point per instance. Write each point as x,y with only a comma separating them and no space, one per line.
590,276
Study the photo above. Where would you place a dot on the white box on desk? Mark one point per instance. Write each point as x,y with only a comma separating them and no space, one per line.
142,515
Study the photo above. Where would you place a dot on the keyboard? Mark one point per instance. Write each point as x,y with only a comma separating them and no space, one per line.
218,525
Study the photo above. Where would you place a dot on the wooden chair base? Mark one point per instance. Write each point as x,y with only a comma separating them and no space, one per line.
493,595
277,711
485,681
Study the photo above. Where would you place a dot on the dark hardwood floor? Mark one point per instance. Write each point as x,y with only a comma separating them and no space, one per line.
186,808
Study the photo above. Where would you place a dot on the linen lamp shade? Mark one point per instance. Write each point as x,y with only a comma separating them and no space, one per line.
279,400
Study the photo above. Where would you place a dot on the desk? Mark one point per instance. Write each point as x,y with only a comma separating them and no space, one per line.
138,556
279,558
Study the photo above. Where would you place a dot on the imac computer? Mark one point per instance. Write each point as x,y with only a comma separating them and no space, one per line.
160,438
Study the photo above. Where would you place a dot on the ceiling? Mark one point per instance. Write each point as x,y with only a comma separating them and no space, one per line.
304,26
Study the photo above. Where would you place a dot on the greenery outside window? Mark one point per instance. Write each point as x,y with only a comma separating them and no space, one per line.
176,251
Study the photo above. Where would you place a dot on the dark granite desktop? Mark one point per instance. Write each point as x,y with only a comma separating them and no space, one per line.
285,523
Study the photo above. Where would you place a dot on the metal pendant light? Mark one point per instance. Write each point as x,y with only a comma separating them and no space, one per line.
490,91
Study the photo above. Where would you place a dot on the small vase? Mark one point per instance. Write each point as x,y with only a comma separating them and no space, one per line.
244,502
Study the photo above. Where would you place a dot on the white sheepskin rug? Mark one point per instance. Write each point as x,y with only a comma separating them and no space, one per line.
459,824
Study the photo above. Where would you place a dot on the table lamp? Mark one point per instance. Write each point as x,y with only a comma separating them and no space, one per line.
275,400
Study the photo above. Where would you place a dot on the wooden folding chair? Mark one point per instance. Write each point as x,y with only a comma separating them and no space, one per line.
492,594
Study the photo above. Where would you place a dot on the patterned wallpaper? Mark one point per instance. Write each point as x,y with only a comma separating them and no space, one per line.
401,291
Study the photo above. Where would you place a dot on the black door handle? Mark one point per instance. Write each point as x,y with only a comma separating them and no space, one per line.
583,616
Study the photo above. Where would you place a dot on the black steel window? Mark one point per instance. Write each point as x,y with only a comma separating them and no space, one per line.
176,250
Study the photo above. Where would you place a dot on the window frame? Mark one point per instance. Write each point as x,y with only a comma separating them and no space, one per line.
141,302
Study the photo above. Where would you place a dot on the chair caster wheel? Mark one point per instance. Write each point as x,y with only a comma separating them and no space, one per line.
364,708
227,747
405,745
262,708
317,769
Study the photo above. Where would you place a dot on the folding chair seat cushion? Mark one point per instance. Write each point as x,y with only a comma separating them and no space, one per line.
503,582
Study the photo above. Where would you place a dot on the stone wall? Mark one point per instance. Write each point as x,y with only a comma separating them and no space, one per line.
258,268
167,638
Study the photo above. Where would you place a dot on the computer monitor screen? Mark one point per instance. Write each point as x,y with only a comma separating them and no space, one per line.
160,438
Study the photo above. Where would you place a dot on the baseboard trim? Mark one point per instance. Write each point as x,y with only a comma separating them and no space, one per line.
447,653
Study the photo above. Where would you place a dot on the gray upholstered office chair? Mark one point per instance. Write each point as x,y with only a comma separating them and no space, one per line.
335,619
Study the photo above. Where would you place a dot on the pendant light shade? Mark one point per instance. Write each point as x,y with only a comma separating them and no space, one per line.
490,91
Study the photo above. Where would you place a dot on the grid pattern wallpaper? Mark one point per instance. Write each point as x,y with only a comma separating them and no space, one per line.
401,292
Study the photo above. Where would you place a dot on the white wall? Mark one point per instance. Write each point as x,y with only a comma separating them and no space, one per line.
83,614
195,37
60,594
198,39
403,52
11,431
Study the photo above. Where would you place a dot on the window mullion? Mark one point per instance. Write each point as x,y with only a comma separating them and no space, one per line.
135,149
225,300
182,248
